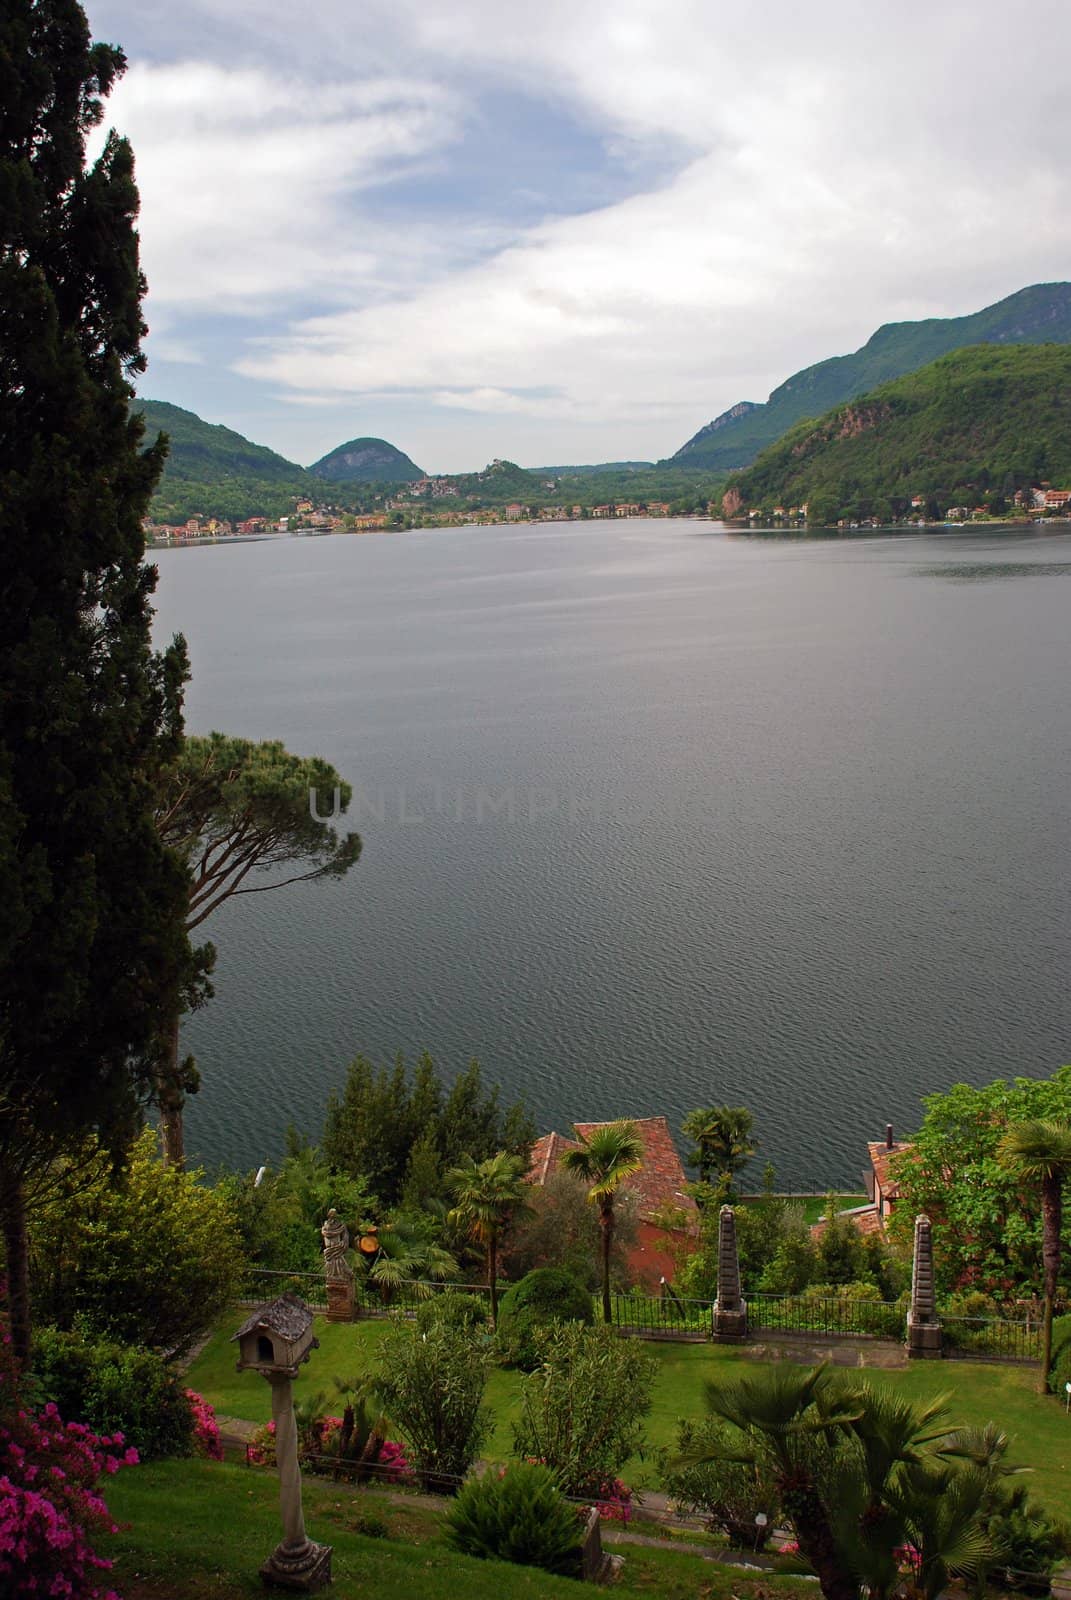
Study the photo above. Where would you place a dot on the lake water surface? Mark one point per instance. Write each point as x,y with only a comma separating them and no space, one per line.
654,816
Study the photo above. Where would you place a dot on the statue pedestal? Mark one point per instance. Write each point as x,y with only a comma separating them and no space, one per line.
340,1301
924,1339
730,1325
303,1567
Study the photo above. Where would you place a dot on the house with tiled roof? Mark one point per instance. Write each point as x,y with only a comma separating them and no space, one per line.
658,1188
882,1187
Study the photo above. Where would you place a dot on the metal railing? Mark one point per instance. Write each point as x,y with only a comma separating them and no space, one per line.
991,1339
664,1315
831,1315
670,1316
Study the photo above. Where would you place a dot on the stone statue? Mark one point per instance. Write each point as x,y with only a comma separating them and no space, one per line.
336,1237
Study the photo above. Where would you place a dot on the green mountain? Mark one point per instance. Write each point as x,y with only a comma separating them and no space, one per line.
970,428
215,471
500,482
366,461
1039,315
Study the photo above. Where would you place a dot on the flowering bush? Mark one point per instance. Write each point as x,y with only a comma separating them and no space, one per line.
115,1388
49,1507
206,1440
319,1452
613,1500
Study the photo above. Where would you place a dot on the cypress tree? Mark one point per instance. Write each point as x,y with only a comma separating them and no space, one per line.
93,949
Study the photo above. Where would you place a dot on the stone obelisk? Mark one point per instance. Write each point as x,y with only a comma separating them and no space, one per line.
730,1308
923,1326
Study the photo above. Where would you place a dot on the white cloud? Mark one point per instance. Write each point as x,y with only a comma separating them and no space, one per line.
849,165
253,183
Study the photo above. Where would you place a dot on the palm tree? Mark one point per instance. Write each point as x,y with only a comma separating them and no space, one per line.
611,1153
406,1258
723,1142
1039,1152
861,1473
490,1194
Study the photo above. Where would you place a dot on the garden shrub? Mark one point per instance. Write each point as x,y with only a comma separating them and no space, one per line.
1027,1542
431,1386
519,1515
150,1257
582,1409
469,1312
116,1388
50,1504
730,1494
542,1298
1060,1368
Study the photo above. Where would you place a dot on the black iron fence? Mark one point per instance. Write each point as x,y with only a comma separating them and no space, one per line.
668,1315
829,1315
991,1339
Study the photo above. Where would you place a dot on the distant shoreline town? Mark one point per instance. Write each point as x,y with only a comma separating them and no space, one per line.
1037,506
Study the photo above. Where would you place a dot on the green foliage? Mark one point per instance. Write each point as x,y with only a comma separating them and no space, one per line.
430,1383
517,1515
488,1195
1027,1543
1038,315
981,417
778,1255
582,1409
410,1256
148,1255
541,1298
862,1473
114,1387
279,1219
604,1160
92,949
233,809
702,1477
723,1145
213,471
987,1225
562,1230
465,1312
383,1114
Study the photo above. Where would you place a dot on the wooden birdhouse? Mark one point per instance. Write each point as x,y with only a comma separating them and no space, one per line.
277,1338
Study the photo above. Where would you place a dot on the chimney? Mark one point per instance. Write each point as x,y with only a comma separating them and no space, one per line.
888,1136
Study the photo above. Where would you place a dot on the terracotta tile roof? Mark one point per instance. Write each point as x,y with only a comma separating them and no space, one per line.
546,1153
880,1157
659,1182
864,1218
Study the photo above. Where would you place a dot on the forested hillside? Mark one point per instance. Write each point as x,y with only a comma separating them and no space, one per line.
212,470
1038,315
975,425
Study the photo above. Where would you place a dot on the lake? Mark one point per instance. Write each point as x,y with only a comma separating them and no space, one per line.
654,816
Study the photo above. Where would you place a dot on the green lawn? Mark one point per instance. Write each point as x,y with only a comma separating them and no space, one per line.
978,1392
198,1530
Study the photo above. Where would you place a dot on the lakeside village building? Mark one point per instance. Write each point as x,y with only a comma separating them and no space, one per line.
667,1215
319,520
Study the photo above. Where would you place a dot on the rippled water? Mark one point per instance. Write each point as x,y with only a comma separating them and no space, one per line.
653,816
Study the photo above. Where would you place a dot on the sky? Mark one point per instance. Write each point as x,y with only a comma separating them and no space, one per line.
571,232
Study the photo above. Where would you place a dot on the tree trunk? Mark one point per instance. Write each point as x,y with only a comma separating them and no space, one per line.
16,1249
606,1223
818,1545
1051,1227
171,1099
492,1275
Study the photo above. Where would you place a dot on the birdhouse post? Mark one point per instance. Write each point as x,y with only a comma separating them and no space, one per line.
275,1341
